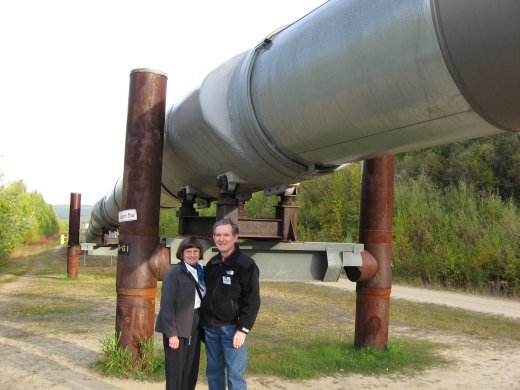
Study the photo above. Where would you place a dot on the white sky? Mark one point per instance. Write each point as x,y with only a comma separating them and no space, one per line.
64,77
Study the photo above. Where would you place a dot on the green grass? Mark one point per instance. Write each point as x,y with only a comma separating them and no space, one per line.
52,302
306,330
302,330
11,269
120,363
434,317
327,356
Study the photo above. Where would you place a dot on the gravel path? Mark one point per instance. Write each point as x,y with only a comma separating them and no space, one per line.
496,306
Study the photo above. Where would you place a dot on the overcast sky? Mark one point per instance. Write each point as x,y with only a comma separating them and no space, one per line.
64,74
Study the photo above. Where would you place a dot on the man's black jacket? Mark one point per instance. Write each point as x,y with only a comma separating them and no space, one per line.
233,291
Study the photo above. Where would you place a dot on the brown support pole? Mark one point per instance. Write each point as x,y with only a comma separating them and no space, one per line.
287,211
74,248
136,283
187,209
227,204
227,207
375,231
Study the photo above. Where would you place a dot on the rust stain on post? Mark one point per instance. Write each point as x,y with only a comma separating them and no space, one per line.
135,281
160,261
375,231
74,249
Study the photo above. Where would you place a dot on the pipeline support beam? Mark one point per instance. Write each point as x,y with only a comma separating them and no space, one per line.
136,282
287,212
375,232
74,248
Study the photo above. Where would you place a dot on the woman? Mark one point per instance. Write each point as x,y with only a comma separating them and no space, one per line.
179,320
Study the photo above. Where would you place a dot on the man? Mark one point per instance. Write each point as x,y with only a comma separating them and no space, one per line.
230,308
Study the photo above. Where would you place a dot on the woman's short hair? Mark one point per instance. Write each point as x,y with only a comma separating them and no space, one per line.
189,242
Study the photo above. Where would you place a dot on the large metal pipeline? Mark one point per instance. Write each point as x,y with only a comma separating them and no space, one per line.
352,80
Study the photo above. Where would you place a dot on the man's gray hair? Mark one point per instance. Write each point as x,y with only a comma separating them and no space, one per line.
226,221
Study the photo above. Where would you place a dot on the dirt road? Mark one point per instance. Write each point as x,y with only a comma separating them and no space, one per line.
495,306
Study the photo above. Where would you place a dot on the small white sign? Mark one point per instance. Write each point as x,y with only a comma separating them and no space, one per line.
127,215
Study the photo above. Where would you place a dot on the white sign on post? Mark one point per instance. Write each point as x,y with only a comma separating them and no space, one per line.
127,215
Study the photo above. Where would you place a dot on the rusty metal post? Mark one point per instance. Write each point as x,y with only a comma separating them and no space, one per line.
375,231
227,204
227,207
73,248
287,211
242,210
136,283
187,209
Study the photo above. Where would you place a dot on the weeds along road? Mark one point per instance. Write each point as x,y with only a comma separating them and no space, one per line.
481,304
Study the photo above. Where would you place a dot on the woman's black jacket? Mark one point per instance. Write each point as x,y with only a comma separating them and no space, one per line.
175,316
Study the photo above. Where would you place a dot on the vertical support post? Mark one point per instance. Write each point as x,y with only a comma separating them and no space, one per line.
242,210
73,248
375,231
227,207
287,211
187,209
227,204
138,238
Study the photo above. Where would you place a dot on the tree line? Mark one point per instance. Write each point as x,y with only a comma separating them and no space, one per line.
24,217
457,219
456,214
